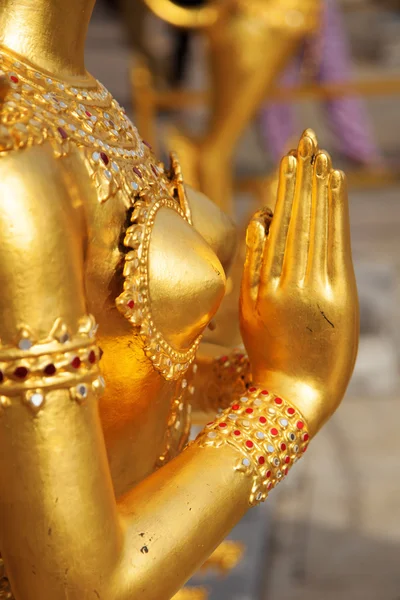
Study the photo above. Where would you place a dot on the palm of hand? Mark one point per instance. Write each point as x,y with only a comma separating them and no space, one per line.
299,307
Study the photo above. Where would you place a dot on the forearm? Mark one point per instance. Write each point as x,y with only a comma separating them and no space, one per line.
61,529
175,518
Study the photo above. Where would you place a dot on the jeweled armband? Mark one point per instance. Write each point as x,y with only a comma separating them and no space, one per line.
63,360
269,434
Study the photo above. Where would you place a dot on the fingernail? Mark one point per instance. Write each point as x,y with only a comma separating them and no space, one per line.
337,178
321,165
290,165
306,147
310,133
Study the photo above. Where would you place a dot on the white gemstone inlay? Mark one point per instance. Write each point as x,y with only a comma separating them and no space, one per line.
270,448
260,435
36,399
25,344
283,422
246,462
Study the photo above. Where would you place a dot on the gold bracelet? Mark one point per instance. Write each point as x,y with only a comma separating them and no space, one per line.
269,434
34,366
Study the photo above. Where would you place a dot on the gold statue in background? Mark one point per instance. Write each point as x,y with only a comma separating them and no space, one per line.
249,44
102,247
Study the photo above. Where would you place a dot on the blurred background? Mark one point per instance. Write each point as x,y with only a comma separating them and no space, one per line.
332,530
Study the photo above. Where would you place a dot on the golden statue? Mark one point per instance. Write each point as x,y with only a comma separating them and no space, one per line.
101,247
249,44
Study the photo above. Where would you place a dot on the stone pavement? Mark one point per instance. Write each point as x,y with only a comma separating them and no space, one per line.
334,526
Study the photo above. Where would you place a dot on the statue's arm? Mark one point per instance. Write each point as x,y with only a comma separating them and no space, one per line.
62,533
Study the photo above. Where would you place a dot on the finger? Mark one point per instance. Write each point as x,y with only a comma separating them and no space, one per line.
255,243
318,252
307,133
312,135
275,248
296,254
339,247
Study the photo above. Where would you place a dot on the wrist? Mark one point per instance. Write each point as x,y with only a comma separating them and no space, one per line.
312,399
269,434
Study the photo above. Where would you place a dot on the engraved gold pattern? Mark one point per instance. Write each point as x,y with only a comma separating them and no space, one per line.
134,302
230,378
33,367
37,108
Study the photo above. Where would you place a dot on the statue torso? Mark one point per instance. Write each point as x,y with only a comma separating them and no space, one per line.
153,283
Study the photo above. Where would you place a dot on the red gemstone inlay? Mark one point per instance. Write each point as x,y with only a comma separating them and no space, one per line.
236,432
87,113
305,448
265,392
274,431
278,400
261,460
104,158
222,425
21,372
269,486
131,304
291,411
300,424
287,460
249,411
267,474
154,170
137,172
223,359
286,471
262,420
50,370
14,78
62,132
249,444
239,356
235,407
283,446
92,357
306,437
76,363
252,389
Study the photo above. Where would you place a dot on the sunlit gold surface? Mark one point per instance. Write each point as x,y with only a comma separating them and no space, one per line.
63,533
